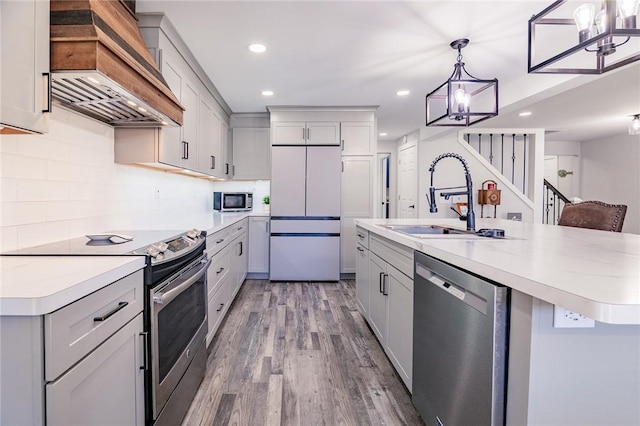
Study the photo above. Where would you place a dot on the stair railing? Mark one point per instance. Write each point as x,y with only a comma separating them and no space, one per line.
554,202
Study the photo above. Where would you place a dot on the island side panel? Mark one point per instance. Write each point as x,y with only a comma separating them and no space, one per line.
588,376
21,370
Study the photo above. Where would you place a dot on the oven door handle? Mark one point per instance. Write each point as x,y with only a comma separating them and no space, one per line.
162,298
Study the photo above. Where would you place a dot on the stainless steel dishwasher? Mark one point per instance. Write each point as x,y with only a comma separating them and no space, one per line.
460,334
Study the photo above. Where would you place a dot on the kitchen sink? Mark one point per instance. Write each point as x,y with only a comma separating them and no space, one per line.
436,231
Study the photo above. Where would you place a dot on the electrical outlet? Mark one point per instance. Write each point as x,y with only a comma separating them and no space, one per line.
565,318
157,192
458,199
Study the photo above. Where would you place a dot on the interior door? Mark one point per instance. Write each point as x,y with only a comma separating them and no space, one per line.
408,182
288,165
323,181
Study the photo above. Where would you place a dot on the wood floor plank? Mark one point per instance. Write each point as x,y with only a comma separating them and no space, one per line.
298,353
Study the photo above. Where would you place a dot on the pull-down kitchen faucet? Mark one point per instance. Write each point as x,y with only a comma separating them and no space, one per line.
431,197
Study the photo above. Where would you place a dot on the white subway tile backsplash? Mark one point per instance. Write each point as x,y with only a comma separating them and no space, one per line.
42,190
41,233
21,167
22,213
65,184
8,190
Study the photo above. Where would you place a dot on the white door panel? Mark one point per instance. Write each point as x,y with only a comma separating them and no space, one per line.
288,181
408,182
323,181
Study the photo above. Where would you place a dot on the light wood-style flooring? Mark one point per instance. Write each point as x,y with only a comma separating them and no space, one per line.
299,353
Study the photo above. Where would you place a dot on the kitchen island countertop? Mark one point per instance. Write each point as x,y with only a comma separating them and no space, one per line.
38,285
594,273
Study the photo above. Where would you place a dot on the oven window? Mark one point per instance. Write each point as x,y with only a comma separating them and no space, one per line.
234,201
178,323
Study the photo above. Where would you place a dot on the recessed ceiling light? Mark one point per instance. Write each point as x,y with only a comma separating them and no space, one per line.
402,92
142,109
131,103
383,134
267,93
525,113
257,48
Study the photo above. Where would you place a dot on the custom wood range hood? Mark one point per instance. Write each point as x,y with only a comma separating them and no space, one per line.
101,67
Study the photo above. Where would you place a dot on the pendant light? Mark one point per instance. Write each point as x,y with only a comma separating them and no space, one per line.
462,100
602,30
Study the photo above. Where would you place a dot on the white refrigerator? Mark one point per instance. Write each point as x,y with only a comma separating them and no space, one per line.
305,213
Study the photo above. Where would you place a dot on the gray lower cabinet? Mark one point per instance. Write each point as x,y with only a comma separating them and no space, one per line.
362,270
388,278
106,387
258,245
227,250
80,365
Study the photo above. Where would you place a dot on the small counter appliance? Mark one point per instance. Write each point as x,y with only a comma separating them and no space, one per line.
232,201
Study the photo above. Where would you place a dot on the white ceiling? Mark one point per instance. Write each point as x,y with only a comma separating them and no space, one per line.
346,53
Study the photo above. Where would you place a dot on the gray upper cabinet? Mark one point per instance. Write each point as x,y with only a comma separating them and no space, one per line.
25,96
200,143
251,154
306,133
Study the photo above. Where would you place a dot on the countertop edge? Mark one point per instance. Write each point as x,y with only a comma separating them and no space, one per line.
34,306
597,310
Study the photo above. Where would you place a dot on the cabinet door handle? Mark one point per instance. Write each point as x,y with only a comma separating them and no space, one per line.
145,350
213,162
380,283
121,305
219,270
342,144
187,149
226,172
308,133
384,284
360,248
184,150
220,240
241,248
412,206
48,75
220,308
268,227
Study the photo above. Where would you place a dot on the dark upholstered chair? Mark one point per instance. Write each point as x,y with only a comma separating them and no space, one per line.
593,215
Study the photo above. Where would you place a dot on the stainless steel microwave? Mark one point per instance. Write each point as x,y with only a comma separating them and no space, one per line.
232,201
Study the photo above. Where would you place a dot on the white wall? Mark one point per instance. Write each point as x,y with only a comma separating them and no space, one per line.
65,184
449,172
611,173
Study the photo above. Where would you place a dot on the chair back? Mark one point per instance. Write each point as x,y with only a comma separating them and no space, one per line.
594,215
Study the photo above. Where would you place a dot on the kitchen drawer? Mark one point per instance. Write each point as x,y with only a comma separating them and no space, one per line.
217,307
238,228
219,269
393,253
362,236
219,240
72,332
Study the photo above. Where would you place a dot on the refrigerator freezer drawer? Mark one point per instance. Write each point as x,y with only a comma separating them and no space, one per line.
305,226
305,258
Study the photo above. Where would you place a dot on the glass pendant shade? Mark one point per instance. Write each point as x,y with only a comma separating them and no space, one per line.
634,126
628,8
583,16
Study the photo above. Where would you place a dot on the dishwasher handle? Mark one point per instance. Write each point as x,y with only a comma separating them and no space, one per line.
473,300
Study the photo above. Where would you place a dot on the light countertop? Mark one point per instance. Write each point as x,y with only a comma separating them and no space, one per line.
37,285
594,273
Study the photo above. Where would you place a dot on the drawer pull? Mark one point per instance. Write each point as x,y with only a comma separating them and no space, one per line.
220,240
121,305
219,270
220,308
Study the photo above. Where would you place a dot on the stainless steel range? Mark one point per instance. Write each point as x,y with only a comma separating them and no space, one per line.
175,309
